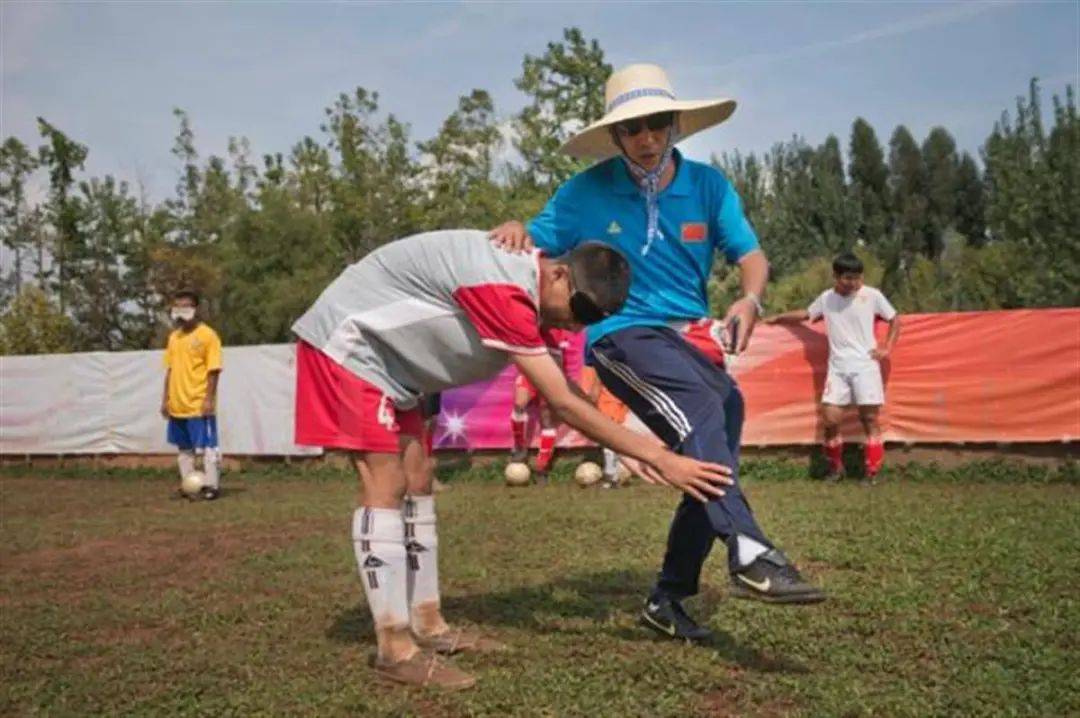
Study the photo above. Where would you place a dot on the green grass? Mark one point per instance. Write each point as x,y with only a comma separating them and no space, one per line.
953,592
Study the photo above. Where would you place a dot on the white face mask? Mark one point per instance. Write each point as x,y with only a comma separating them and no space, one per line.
182,314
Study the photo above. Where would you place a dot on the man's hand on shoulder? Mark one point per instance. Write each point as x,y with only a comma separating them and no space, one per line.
512,236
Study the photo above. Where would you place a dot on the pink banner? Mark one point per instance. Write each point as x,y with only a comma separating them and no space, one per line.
1009,376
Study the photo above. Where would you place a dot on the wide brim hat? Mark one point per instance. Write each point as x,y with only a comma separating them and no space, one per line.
638,91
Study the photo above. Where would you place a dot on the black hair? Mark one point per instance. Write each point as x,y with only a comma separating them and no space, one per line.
187,294
847,263
601,279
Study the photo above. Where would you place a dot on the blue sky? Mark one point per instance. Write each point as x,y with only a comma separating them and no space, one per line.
109,74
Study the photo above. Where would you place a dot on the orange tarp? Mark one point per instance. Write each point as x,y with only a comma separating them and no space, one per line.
1008,376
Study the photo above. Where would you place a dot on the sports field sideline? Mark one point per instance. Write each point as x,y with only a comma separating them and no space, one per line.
953,592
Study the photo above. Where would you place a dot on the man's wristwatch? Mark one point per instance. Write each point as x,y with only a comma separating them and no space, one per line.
757,302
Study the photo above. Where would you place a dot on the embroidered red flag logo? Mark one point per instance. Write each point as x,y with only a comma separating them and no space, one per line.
694,232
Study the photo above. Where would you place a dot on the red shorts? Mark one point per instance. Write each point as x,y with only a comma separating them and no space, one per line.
336,409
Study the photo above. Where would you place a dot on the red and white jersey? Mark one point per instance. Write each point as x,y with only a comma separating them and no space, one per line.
558,344
849,323
429,312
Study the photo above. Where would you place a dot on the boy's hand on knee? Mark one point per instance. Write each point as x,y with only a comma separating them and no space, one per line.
700,479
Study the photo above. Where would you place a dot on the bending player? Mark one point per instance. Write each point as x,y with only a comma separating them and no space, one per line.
558,344
849,310
415,317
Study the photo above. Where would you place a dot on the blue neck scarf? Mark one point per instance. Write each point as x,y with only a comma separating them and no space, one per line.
649,185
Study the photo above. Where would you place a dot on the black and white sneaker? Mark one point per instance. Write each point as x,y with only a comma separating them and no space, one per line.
773,579
667,617
209,493
609,481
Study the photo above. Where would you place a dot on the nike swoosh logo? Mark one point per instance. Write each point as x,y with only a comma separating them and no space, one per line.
670,630
762,586
654,606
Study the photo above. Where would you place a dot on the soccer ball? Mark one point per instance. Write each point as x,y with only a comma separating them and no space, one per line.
517,474
192,484
624,475
587,474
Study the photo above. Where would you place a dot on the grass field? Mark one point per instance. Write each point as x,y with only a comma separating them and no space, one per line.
953,592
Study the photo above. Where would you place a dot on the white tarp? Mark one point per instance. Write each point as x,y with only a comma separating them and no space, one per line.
108,403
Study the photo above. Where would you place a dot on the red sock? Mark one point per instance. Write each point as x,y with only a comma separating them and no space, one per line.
517,427
834,452
547,449
875,456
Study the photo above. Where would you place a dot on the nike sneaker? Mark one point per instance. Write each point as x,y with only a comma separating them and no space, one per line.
667,617
774,579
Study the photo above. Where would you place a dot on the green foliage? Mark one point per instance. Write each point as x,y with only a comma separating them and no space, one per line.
259,236
31,324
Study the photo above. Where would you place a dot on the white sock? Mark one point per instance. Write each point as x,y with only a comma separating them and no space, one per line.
422,544
186,461
749,549
611,463
518,414
212,467
378,539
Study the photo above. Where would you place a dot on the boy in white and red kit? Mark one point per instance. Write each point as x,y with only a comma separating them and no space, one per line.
558,344
849,310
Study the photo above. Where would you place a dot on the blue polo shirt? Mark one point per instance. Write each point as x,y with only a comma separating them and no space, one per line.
700,214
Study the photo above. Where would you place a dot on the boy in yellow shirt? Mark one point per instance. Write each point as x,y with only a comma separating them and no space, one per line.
189,401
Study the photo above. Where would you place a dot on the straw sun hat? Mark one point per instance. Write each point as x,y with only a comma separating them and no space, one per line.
638,91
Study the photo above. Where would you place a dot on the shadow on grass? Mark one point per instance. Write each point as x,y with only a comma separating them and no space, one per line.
563,606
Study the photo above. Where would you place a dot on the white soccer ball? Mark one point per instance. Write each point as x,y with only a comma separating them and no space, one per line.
193,483
517,474
587,474
624,475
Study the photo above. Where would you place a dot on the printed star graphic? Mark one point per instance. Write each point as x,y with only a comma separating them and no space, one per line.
454,426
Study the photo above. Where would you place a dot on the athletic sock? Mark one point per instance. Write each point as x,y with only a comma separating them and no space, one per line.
422,546
749,549
611,464
547,449
379,543
834,452
186,461
875,455
212,467
517,427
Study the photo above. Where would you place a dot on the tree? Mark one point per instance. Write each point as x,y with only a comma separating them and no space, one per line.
942,168
62,156
869,176
970,218
566,90
458,165
17,163
31,324
907,192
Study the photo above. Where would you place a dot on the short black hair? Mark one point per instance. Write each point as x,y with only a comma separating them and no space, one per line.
601,277
847,263
187,294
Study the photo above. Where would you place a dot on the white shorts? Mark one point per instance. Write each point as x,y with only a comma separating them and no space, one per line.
862,387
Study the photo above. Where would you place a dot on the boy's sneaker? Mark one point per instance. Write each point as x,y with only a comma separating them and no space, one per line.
667,617
425,669
773,579
540,477
609,482
834,474
519,456
209,493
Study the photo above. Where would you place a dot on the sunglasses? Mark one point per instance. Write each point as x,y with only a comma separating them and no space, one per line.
582,307
631,127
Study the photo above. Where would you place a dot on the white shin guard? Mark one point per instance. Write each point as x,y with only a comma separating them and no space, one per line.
378,539
186,461
422,544
212,467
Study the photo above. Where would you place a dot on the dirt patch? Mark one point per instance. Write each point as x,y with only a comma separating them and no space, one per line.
159,560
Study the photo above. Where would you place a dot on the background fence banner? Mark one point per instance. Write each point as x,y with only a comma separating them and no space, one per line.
108,403
1006,376
1009,376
